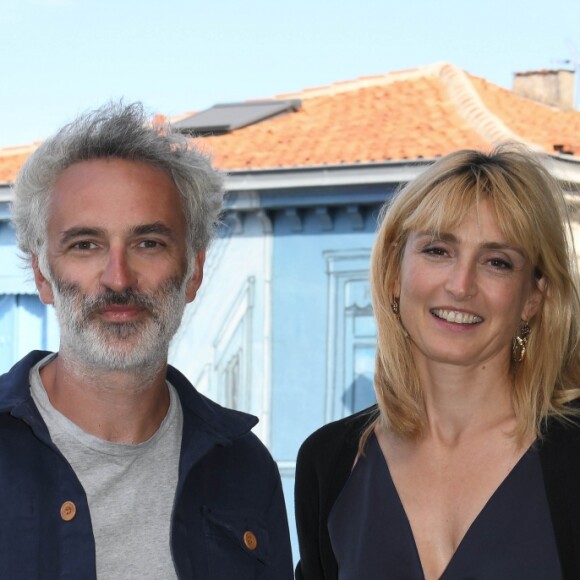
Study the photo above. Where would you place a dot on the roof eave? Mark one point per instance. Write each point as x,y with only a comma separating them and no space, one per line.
564,168
5,192
387,172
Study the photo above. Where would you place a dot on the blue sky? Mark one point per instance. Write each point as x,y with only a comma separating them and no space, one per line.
60,57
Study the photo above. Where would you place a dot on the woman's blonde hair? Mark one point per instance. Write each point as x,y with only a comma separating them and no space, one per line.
531,212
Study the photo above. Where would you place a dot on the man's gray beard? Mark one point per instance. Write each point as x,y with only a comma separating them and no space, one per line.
139,346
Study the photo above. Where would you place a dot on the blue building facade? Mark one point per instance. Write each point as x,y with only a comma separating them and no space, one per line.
282,326
25,323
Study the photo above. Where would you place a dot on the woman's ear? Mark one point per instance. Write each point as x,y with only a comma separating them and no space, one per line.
535,299
396,287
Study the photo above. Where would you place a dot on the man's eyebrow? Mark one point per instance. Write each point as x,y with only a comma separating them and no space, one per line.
74,233
157,228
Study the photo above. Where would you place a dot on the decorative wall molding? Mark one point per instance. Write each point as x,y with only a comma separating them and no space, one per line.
294,219
348,298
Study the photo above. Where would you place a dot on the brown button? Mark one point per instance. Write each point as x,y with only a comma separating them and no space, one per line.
68,510
250,540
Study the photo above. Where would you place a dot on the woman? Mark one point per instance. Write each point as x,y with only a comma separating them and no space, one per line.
469,467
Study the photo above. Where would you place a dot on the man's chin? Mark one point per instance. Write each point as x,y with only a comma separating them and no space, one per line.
123,350
119,361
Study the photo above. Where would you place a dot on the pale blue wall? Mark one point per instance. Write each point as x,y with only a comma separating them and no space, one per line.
317,257
25,323
225,331
307,319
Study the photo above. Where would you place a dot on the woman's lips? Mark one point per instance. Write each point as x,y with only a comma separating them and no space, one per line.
456,316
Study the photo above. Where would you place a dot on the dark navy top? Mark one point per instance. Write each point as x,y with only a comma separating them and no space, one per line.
512,538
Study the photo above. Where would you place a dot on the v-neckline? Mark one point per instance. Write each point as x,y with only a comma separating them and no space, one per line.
373,438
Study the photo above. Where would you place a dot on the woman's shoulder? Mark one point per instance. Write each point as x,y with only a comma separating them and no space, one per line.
564,427
560,436
337,438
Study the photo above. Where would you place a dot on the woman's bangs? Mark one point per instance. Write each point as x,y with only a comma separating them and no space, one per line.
443,207
514,224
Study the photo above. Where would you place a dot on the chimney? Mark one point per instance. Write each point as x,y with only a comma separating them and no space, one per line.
550,87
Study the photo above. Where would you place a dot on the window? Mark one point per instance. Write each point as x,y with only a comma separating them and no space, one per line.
25,324
351,334
233,347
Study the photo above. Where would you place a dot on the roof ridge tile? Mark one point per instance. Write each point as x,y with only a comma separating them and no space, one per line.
431,70
19,149
472,108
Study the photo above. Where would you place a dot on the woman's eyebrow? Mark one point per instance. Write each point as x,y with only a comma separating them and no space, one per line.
502,246
448,237
441,236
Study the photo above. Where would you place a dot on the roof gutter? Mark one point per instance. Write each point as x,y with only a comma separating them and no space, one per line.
564,168
5,192
389,172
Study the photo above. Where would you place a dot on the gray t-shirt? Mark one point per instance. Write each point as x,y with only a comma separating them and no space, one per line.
130,489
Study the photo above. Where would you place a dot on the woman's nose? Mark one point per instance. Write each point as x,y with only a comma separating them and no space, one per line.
462,280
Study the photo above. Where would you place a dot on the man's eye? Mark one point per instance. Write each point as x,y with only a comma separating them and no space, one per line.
150,244
84,245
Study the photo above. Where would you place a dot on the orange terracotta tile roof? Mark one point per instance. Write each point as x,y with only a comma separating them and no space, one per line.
548,127
420,113
12,159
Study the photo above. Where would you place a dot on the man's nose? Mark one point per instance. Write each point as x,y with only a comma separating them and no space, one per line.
117,273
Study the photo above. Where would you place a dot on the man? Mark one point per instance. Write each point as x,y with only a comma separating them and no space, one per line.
111,464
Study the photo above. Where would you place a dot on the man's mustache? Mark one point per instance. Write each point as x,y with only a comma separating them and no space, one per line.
90,305
127,297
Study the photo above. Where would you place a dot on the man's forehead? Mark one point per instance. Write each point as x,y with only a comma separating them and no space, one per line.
115,195
87,170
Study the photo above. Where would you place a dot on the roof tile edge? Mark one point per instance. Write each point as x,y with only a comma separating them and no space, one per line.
431,70
19,149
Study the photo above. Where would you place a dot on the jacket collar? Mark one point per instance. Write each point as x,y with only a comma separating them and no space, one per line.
224,424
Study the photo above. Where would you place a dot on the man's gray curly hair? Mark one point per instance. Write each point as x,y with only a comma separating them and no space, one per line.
121,131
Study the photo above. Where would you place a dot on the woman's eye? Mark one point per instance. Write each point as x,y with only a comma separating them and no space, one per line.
500,264
435,251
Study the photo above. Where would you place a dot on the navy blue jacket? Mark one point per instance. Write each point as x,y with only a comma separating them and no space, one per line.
228,485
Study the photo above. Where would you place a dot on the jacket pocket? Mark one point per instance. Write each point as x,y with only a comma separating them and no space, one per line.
237,544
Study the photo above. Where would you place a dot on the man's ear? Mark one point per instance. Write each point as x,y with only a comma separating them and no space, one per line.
194,282
43,285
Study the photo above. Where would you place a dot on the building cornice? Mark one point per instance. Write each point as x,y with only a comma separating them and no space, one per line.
389,172
252,189
5,193
565,169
